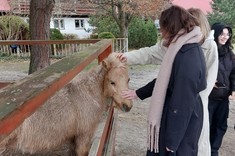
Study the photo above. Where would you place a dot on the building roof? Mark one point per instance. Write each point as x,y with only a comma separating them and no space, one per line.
204,5
4,6
64,8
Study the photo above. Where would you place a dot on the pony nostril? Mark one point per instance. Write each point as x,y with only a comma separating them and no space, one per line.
125,108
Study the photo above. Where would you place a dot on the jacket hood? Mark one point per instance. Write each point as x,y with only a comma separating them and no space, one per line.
211,35
218,29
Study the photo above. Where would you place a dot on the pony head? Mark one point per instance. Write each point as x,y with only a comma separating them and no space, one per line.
116,80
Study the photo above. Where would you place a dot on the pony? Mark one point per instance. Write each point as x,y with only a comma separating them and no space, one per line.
74,112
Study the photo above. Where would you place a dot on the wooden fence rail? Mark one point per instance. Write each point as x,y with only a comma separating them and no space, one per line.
59,48
20,99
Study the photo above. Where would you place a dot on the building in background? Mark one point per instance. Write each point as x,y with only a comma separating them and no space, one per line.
4,7
70,18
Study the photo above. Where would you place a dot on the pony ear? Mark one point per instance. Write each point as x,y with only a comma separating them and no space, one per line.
106,65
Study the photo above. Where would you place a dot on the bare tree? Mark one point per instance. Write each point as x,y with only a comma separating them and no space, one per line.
39,26
123,11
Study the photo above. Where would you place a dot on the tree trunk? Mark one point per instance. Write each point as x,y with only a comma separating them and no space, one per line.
123,30
39,26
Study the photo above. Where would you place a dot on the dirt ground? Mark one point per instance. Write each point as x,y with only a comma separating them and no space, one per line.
131,129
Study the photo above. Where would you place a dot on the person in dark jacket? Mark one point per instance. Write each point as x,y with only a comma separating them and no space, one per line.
14,48
224,86
182,110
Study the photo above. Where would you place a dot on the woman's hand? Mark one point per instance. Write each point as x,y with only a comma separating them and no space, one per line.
232,96
122,57
129,94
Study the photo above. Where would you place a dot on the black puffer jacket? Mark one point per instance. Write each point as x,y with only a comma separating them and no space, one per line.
226,71
226,76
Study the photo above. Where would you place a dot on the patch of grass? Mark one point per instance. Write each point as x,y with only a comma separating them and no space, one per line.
3,54
57,57
13,59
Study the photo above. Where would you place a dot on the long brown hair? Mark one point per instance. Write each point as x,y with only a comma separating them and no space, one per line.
203,22
174,19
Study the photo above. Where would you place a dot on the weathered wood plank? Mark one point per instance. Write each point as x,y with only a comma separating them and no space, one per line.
104,139
110,149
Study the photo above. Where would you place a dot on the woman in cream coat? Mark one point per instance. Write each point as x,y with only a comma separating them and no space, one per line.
155,54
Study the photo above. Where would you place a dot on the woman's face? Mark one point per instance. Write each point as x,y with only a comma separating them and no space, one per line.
223,37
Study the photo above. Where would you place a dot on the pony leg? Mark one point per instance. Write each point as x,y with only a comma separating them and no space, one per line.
83,144
3,146
8,142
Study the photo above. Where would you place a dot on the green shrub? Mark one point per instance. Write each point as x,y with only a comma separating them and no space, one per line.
94,36
70,36
55,34
142,33
4,54
104,24
106,35
13,28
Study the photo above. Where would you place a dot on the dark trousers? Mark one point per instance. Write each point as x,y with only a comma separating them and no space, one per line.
149,153
218,114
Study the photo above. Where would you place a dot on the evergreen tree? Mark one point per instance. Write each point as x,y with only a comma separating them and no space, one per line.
222,11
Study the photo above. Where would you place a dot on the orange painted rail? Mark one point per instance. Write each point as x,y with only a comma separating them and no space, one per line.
4,84
19,100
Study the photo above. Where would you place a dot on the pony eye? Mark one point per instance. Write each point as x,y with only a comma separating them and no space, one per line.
112,83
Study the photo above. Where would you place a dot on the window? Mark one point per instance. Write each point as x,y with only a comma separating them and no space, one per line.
27,20
59,23
79,23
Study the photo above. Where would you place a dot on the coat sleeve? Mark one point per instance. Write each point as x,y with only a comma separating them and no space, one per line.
147,55
146,91
232,75
212,62
182,103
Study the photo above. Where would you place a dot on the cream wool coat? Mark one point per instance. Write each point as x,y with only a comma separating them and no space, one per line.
155,54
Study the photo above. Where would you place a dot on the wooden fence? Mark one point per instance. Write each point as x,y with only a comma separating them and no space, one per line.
59,48
19,100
